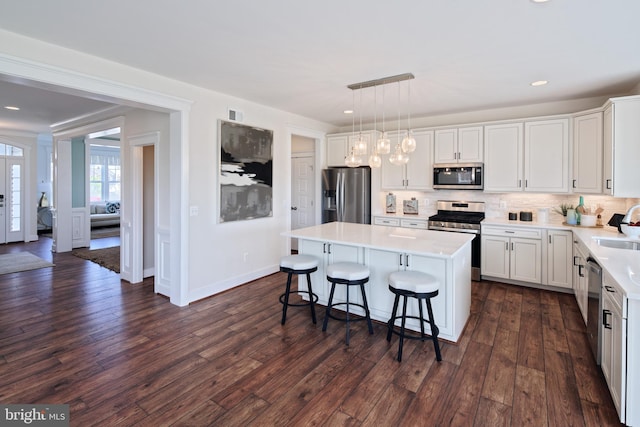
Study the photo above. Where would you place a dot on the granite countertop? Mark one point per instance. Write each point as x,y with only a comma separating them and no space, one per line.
397,239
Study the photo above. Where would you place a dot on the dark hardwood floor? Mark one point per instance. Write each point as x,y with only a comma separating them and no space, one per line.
120,355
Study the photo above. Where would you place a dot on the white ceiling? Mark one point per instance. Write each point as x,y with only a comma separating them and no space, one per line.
299,56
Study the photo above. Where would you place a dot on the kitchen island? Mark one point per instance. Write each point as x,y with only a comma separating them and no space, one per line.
384,250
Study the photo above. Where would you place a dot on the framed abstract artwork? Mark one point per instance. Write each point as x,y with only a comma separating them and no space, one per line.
246,172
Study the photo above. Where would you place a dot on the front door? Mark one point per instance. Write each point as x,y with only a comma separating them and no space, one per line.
11,195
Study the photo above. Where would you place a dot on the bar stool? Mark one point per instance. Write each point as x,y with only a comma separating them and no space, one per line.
413,284
298,264
349,274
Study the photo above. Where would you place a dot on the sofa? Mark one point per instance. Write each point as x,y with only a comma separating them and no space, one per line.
104,214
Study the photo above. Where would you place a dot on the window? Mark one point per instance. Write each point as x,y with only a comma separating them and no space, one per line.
104,174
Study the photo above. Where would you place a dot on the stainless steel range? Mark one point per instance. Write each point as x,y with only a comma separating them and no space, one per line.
461,217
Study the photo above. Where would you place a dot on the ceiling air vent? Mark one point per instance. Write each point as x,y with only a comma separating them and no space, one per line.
235,115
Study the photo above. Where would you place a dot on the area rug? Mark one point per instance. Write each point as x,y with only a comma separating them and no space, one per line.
21,261
101,232
107,257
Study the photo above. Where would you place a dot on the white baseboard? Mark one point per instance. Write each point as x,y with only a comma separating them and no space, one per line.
216,288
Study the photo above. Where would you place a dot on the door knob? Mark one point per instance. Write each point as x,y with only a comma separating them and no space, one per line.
294,208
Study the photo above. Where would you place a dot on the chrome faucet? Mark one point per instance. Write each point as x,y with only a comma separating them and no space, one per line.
627,218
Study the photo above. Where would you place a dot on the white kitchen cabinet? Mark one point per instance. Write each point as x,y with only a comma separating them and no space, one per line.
512,253
621,148
418,223
614,344
587,154
546,156
417,174
532,157
580,285
382,263
459,145
328,253
389,222
339,146
503,145
559,258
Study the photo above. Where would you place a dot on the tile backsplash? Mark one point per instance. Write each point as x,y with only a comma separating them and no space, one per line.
499,205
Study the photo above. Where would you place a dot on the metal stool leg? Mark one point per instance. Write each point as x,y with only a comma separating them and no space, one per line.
366,308
434,331
328,311
311,302
404,318
286,299
392,321
421,318
348,331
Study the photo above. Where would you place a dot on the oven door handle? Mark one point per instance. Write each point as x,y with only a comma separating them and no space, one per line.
455,230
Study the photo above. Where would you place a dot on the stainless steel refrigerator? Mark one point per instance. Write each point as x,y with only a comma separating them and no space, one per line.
346,195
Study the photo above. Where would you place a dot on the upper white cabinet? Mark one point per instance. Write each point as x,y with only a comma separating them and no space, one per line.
587,154
339,146
503,157
546,156
459,145
621,147
415,175
536,161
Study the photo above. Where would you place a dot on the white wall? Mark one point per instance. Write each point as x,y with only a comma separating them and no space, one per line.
215,251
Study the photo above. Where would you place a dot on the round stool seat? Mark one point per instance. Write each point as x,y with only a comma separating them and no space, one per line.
299,262
347,271
414,281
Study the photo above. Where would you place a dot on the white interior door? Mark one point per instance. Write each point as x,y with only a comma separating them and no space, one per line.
11,199
302,194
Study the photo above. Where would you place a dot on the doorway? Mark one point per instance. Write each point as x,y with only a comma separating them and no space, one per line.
303,184
12,176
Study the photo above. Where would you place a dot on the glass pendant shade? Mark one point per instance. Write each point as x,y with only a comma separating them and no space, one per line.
352,160
360,147
384,144
375,161
409,143
398,158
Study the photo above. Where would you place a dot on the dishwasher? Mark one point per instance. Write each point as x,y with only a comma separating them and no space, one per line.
594,307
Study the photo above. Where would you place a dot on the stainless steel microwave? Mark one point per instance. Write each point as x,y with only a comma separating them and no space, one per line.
458,176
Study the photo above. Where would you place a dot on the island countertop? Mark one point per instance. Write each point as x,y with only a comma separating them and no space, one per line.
412,241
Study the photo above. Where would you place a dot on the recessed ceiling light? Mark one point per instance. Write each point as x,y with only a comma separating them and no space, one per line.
348,111
11,107
539,1
539,83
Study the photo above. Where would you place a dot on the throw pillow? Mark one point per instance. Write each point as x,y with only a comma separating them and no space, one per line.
111,208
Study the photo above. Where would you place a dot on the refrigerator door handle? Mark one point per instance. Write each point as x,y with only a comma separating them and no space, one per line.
340,196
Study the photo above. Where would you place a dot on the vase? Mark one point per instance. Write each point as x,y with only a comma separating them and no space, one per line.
43,202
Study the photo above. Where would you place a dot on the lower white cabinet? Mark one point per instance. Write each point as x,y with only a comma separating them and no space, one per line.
559,258
512,253
328,253
614,344
382,263
580,285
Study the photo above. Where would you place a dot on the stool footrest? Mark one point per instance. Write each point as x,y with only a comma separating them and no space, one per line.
299,304
351,319
410,335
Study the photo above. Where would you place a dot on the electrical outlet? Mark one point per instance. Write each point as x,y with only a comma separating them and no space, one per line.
193,211
503,204
245,256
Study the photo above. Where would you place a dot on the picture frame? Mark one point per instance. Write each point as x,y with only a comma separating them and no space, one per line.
246,172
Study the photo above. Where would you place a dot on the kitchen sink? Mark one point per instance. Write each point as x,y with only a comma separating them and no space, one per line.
617,243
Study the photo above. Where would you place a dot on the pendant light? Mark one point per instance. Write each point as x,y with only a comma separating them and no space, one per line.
352,160
383,145
374,160
398,158
361,145
409,142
